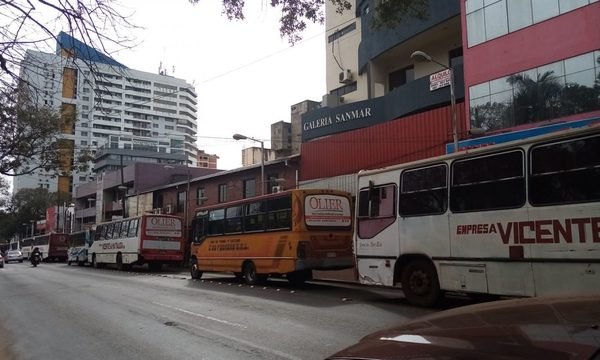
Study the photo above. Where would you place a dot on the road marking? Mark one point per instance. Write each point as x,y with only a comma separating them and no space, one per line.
201,316
250,344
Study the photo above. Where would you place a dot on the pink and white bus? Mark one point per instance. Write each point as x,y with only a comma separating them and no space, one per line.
147,239
517,219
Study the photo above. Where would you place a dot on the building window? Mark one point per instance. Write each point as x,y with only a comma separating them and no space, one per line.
222,192
343,90
455,57
181,199
560,89
490,19
401,77
200,197
249,188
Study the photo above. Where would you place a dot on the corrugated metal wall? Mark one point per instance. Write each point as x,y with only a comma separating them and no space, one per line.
402,140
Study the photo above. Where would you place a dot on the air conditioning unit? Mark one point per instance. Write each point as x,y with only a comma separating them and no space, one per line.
169,209
276,189
157,211
345,76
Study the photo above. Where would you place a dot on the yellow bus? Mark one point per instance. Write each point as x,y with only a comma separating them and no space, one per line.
289,234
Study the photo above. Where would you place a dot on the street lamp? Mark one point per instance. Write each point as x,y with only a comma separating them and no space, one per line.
262,158
423,56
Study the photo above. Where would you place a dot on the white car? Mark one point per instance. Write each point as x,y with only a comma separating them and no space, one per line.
14,255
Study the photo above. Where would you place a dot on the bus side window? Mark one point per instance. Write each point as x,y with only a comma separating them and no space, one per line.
216,222
133,227
254,217
200,227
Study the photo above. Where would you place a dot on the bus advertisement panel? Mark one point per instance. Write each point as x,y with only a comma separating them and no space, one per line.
516,219
286,234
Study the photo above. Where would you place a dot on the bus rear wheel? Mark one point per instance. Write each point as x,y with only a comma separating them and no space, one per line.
420,283
195,271
95,264
251,277
120,265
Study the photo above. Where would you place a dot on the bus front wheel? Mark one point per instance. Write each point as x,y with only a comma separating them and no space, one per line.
420,283
95,264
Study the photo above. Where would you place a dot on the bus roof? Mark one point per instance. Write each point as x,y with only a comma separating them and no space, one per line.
272,196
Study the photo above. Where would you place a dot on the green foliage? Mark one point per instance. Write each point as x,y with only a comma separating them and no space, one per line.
296,13
391,13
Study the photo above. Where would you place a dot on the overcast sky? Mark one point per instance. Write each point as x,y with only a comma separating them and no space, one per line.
245,75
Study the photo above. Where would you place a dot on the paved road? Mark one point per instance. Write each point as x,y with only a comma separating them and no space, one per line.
56,311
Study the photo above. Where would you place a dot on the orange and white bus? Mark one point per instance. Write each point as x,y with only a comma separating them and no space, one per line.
147,239
289,234
514,219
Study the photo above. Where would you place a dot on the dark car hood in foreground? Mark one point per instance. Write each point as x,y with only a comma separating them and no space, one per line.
537,328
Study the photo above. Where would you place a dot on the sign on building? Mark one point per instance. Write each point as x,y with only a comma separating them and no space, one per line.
439,80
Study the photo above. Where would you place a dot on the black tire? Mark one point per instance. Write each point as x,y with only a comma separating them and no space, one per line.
81,263
249,273
195,271
69,263
239,276
20,261
120,266
95,264
420,283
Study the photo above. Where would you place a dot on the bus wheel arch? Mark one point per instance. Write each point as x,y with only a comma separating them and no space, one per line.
419,278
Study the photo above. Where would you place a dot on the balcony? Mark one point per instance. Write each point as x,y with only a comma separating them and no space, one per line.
374,43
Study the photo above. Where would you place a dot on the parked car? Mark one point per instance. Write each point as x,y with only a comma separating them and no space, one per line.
533,328
14,255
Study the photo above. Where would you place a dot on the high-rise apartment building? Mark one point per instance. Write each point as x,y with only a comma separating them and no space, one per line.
113,107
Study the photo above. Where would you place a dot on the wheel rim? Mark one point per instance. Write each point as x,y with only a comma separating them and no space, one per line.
420,283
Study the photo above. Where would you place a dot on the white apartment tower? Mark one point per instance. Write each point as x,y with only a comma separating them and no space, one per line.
115,107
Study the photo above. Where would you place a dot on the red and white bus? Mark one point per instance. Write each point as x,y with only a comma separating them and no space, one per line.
517,219
52,246
147,239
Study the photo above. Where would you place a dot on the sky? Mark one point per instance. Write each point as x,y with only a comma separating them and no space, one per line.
245,75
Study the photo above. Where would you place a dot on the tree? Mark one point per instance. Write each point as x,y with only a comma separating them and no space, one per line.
296,13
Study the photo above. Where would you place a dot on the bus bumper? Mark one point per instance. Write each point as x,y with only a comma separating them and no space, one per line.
337,263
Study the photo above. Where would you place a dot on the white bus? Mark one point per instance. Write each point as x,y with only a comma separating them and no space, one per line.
517,219
146,239
79,243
